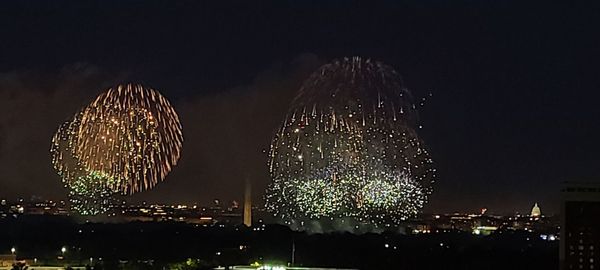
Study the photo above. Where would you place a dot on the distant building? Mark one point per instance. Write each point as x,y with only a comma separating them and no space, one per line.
235,204
536,212
7,260
580,226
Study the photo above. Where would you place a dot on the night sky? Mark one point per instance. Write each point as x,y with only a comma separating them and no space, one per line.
515,86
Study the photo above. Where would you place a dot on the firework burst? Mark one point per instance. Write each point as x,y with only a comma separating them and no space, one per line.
132,134
349,148
127,140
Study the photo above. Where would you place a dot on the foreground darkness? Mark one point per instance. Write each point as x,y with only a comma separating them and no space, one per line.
126,246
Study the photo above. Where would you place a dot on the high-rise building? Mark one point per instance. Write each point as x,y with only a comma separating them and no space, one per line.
536,212
580,226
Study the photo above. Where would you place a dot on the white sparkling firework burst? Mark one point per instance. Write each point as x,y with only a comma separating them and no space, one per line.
389,197
319,198
350,132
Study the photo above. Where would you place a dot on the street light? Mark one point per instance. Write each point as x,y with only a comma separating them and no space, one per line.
13,250
63,250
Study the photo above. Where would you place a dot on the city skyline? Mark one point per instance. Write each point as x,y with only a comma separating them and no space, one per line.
505,125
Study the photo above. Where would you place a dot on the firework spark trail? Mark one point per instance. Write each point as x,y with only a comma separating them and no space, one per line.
127,140
349,148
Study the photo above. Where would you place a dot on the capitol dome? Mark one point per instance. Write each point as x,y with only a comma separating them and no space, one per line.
536,211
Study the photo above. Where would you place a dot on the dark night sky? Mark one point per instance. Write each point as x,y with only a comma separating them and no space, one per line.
515,86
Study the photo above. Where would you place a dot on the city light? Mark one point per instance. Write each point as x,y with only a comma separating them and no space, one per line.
271,267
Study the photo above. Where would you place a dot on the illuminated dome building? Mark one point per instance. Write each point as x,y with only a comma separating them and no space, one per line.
536,212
